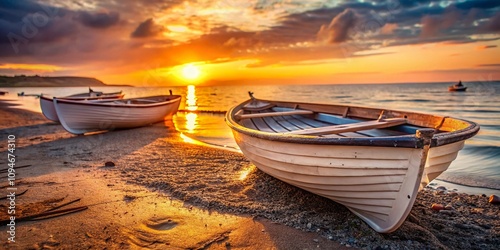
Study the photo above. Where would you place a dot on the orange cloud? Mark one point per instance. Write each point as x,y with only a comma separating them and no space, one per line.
339,28
32,67
388,28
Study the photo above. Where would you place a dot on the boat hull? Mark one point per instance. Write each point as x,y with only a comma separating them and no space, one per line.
80,118
458,89
375,173
377,184
49,111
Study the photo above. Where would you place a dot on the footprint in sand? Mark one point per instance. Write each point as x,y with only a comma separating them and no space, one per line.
150,233
161,224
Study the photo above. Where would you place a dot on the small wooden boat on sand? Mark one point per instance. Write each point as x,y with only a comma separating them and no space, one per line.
79,117
371,160
49,111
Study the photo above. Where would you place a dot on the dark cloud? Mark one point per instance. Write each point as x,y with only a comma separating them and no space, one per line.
98,20
431,25
478,4
136,11
339,28
26,18
14,11
361,6
25,37
494,23
39,33
410,3
43,31
147,28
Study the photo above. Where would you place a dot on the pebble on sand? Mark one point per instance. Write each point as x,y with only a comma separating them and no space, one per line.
109,164
437,207
494,199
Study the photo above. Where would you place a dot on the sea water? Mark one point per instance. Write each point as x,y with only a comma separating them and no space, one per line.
202,119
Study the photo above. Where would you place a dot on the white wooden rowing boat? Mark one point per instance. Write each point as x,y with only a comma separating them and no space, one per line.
81,117
47,105
373,161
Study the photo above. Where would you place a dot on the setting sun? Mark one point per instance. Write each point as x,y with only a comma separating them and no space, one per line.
190,72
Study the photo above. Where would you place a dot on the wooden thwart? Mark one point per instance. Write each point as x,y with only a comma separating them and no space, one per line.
269,114
351,127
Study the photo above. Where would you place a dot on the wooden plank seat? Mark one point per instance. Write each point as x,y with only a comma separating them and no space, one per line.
351,127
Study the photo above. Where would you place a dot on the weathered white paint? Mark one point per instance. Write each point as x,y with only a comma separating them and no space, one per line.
79,119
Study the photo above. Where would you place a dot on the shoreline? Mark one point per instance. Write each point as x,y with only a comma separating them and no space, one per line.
162,188
464,188
213,143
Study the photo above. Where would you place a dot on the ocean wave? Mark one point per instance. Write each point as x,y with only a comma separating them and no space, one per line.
479,187
462,110
477,166
485,111
417,100
471,181
485,150
342,96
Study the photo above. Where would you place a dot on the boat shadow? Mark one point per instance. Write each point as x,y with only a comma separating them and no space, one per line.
49,148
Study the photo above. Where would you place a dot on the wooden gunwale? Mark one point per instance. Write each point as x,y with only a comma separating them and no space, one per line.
107,103
101,97
269,114
451,129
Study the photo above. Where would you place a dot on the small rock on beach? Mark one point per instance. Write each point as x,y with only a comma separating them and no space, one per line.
109,164
437,207
494,199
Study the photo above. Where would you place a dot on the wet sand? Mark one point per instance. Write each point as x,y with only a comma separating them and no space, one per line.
164,193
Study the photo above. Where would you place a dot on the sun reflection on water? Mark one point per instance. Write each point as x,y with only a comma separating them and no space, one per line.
191,122
188,139
191,105
191,99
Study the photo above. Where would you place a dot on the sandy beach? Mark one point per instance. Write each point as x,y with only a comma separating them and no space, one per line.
165,193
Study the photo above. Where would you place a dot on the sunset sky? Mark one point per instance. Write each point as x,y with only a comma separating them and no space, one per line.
181,42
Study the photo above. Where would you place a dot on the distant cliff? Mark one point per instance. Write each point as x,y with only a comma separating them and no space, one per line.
45,81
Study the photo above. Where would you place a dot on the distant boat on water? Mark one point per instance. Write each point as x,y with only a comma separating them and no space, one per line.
457,87
3,92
